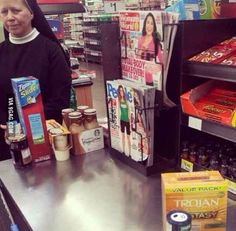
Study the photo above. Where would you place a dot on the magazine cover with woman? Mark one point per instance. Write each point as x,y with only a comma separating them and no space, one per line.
131,127
146,47
141,46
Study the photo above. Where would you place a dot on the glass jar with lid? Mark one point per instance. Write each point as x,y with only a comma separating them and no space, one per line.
90,118
20,152
76,127
65,112
81,108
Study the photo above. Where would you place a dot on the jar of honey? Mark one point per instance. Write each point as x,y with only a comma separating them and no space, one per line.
90,118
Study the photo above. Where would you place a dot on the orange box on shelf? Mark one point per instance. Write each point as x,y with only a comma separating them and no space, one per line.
222,100
215,112
201,194
205,110
227,91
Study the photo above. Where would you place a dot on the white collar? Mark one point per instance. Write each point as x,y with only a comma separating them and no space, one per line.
25,39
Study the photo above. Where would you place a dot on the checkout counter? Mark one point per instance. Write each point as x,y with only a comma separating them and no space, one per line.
91,192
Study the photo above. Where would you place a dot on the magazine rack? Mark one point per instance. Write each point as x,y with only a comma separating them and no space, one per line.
193,40
166,126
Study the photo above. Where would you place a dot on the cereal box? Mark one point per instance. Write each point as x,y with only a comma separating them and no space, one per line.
31,115
201,194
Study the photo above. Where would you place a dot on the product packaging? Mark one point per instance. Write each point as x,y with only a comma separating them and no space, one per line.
192,103
201,194
60,141
31,115
205,9
90,140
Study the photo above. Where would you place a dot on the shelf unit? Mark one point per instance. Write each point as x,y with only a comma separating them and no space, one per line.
74,38
166,133
62,8
92,35
193,40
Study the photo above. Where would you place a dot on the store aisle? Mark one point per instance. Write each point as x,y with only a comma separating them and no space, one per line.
98,89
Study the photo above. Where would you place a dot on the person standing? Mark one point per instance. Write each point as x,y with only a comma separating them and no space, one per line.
31,49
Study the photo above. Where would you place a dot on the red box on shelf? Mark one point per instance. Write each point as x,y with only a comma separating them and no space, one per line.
193,104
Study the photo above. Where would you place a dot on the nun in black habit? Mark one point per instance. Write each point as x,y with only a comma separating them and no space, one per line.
31,49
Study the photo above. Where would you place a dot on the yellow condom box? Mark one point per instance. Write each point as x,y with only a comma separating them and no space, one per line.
201,194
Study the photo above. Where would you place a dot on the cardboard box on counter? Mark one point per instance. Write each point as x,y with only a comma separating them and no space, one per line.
31,115
90,140
201,194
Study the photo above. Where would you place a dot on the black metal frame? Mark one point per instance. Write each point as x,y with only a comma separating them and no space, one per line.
166,120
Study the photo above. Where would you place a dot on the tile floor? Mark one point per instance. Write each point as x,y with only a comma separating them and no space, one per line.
98,90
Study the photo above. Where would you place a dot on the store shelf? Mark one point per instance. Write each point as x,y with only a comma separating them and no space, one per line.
210,71
188,166
92,35
91,58
216,129
95,47
64,8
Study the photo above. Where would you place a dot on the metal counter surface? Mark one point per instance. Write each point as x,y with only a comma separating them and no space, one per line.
92,192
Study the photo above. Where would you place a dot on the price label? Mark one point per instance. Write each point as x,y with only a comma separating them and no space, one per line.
231,186
195,123
186,165
114,6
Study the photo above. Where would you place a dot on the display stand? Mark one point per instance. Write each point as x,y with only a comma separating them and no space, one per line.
166,120
195,37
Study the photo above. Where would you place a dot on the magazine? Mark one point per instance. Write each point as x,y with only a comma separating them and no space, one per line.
131,126
146,46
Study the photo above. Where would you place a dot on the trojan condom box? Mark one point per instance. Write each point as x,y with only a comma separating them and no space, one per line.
201,194
31,115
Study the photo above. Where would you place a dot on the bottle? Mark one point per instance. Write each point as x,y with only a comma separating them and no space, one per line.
73,100
214,162
76,128
90,118
192,154
224,167
185,150
202,157
65,112
20,152
81,108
